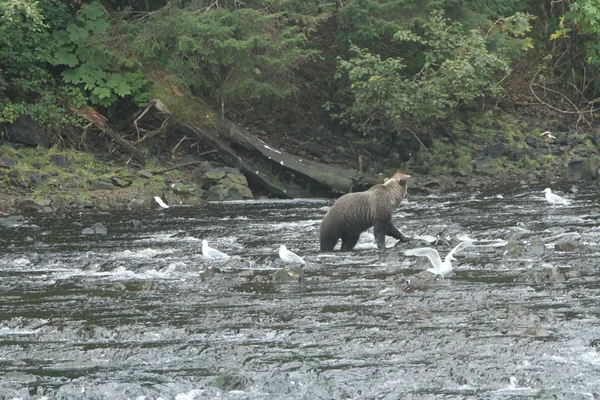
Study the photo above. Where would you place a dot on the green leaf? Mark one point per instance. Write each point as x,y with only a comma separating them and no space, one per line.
65,57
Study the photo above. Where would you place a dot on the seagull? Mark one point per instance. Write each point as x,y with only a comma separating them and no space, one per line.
160,202
439,267
213,254
289,256
547,134
553,198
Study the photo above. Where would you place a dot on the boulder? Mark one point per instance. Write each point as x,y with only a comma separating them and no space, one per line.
223,184
485,166
536,248
513,249
96,229
26,131
7,162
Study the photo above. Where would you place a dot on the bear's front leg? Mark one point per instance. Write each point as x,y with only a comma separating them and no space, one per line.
395,233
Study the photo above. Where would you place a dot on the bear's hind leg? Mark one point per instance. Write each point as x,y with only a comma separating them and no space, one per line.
349,241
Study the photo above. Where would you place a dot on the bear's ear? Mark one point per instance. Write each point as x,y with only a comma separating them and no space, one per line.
402,178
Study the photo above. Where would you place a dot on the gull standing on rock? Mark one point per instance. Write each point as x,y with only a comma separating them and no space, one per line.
553,198
213,254
289,256
439,267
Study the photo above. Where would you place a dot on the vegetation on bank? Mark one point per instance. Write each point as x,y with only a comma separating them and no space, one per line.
376,68
70,174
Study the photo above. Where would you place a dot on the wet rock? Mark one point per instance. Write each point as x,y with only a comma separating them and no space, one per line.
590,170
7,162
60,161
227,382
536,248
17,180
224,184
119,182
146,174
35,206
571,246
141,202
93,332
198,172
288,275
96,229
533,142
496,150
36,179
101,185
513,249
566,246
12,220
181,189
485,166
26,131
209,272
223,192
536,331
547,275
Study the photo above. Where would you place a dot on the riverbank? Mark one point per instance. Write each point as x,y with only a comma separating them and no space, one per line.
482,149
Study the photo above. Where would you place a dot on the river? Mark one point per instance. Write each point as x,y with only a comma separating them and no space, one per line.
128,315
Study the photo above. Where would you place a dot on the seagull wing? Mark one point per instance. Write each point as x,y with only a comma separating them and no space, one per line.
556,199
430,253
211,253
458,247
290,256
217,255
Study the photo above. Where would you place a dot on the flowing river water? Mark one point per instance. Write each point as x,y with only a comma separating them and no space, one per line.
129,314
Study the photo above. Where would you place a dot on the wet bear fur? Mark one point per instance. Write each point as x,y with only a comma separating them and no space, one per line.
354,213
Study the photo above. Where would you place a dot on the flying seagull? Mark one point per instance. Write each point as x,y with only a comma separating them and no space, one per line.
553,198
212,254
160,202
289,256
439,267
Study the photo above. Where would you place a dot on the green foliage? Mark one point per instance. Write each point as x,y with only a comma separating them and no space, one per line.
50,59
91,64
582,18
243,53
457,69
26,48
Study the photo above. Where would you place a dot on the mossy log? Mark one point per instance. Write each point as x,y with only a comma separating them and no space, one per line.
279,173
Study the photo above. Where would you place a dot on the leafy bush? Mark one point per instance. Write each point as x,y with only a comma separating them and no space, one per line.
50,59
457,69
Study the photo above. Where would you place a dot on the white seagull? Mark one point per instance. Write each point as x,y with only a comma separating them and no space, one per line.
553,198
439,267
289,256
212,254
160,202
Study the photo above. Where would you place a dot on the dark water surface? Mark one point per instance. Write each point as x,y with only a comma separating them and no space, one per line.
127,315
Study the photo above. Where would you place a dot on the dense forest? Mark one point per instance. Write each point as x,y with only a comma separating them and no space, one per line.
349,68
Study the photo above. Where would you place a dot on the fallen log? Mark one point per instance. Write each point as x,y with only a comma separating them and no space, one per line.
279,173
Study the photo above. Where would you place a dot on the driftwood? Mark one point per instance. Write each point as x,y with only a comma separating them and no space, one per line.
279,173
97,120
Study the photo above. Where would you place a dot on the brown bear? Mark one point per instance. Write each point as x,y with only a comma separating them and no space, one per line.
354,213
